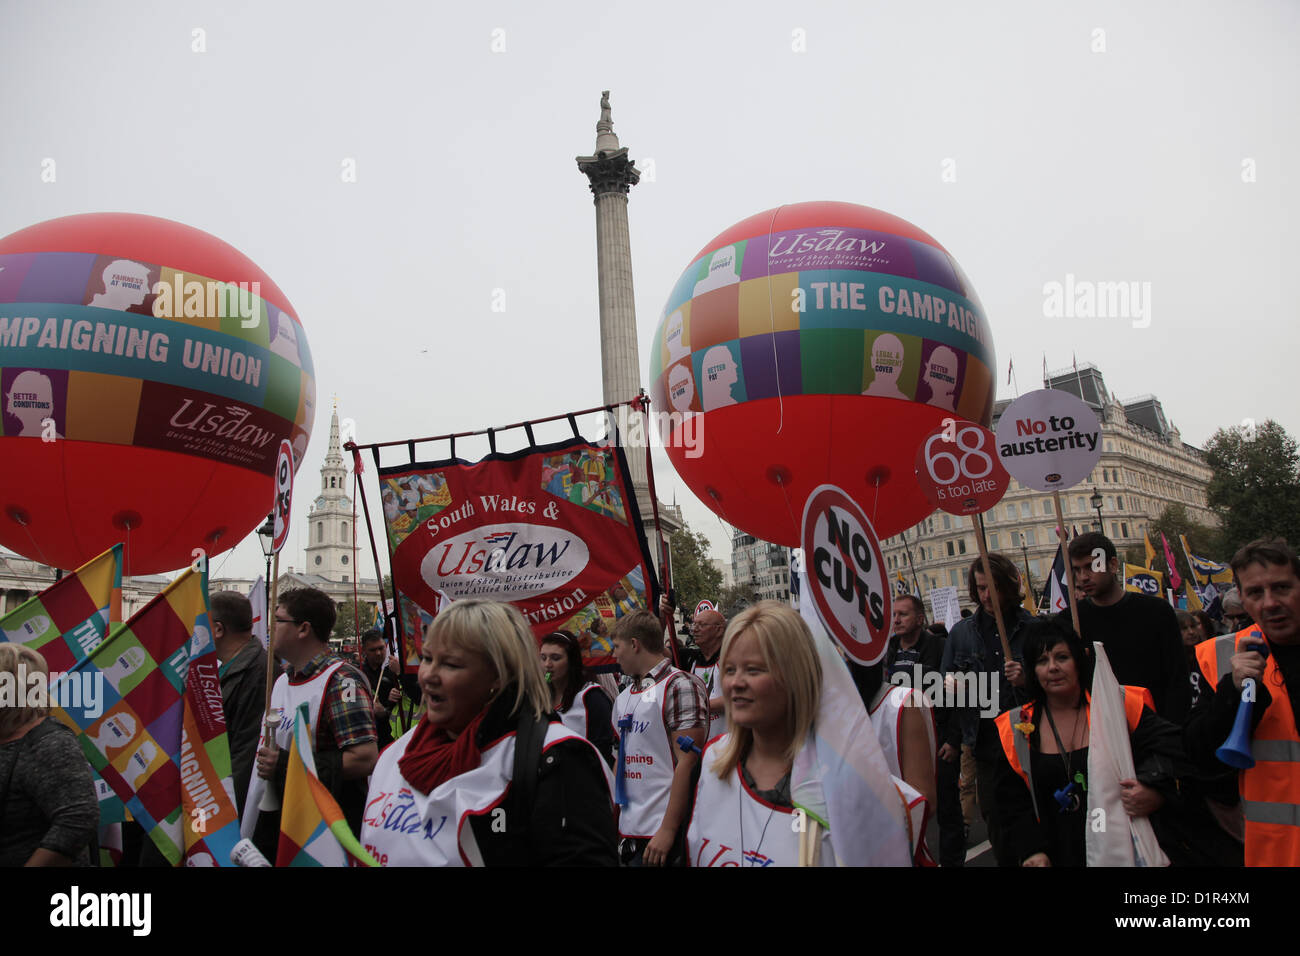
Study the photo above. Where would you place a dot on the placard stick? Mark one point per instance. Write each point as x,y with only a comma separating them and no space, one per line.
993,590
1069,569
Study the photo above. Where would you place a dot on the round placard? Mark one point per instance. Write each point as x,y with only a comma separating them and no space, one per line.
846,573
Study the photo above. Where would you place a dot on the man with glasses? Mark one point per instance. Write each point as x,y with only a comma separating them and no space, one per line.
1235,617
708,630
341,719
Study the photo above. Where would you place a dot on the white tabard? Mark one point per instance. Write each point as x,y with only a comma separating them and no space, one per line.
285,699
731,826
403,827
886,717
575,718
711,674
648,760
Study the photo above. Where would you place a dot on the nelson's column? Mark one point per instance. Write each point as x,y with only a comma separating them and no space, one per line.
611,175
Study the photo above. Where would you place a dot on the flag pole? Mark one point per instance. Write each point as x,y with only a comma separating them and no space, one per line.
910,566
993,590
1069,568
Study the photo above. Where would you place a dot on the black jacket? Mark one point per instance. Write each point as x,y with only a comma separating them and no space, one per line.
243,695
571,820
383,724
1183,826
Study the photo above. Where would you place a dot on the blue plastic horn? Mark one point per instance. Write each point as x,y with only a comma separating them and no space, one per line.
620,778
689,746
1235,751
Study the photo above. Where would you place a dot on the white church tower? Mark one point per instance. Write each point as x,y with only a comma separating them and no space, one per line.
329,523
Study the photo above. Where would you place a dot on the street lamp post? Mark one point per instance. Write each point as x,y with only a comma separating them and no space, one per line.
265,538
1029,584
1096,501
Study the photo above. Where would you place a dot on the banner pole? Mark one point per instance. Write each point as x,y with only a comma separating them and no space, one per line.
642,403
993,590
1065,552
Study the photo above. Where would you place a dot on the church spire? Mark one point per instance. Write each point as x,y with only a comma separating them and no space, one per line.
334,457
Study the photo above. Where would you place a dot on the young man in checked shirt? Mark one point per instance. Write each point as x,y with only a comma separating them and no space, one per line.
341,712
660,704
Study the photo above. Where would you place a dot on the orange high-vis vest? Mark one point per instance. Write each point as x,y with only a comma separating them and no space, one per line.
1270,790
1016,745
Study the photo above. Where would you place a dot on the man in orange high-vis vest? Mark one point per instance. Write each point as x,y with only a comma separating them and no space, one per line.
1268,577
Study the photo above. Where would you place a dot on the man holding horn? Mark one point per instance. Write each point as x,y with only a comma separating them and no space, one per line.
1265,667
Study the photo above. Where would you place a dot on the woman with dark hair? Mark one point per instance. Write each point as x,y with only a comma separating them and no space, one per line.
1042,779
583,705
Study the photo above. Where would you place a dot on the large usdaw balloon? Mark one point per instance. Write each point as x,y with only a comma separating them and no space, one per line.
148,372
817,342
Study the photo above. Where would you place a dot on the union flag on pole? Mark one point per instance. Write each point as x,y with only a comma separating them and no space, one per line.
312,829
156,731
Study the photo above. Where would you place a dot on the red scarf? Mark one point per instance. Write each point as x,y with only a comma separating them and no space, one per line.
432,758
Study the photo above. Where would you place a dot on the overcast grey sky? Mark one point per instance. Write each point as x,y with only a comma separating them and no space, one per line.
1134,142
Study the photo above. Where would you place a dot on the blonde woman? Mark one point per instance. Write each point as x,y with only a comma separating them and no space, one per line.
48,809
771,681
489,776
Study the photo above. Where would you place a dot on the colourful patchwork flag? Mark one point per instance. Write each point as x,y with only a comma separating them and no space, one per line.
69,619
156,731
312,829
66,622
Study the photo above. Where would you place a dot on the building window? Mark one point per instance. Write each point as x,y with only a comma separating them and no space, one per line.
993,541
1029,536
1082,506
345,531
1114,529
344,559
345,579
318,559
951,551
961,546
952,577
1047,506
1026,509
320,532
1011,512
1123,527
1119,502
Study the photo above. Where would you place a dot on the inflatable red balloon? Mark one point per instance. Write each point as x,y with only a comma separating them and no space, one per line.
148,372
816,343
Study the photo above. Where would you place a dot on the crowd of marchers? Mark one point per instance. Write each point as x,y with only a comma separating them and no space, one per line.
519,755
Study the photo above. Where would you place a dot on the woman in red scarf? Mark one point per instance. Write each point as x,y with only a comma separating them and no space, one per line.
448,794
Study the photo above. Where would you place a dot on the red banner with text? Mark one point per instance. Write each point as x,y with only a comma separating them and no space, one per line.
553,530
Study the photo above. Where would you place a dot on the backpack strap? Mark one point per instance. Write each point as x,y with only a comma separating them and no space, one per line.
530,735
